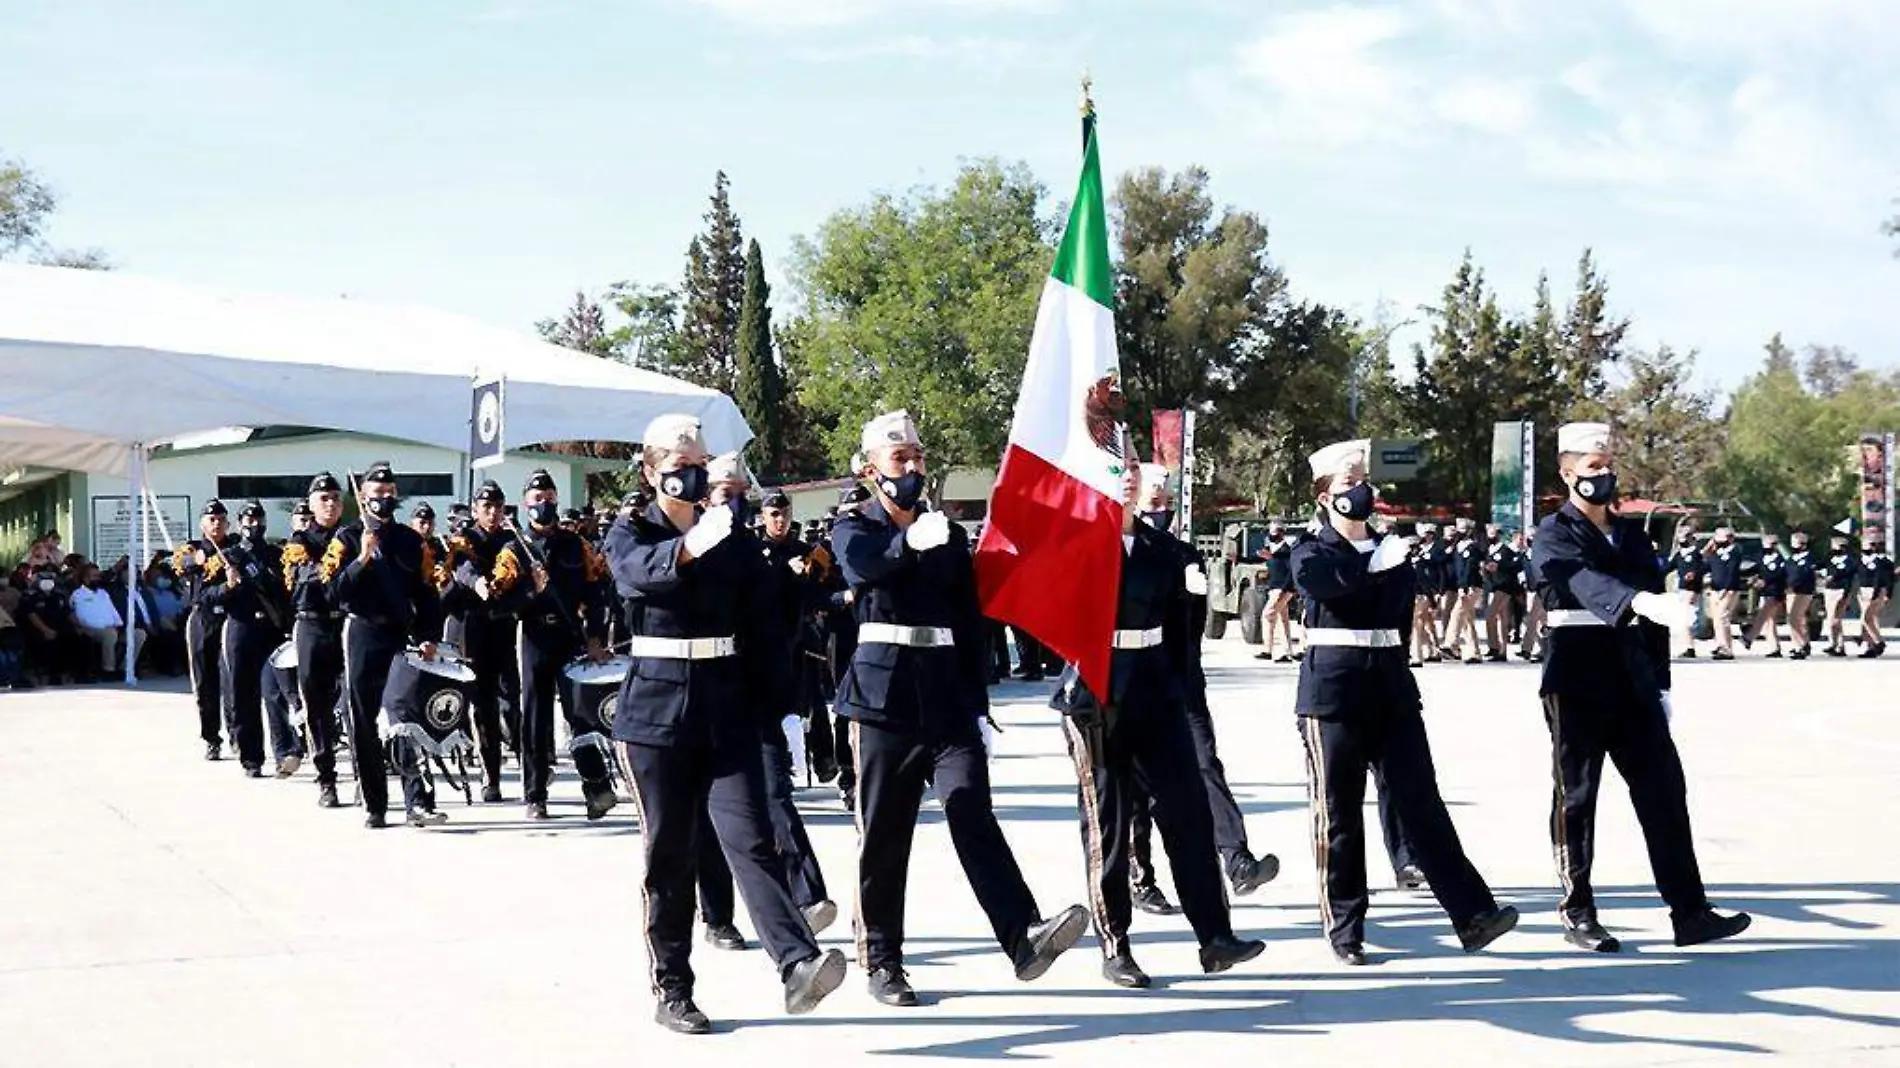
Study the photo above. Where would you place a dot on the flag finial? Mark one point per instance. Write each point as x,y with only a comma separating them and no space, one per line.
1088,101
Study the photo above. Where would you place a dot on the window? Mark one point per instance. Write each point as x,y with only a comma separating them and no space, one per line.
296,487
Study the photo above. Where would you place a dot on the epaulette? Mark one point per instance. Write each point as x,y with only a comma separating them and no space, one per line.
332,561
507,571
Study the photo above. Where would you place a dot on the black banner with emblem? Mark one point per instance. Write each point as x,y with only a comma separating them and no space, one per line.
485,425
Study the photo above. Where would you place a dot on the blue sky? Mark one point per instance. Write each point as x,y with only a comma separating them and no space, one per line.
1730,160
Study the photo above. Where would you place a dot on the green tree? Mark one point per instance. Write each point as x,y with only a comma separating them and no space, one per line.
1590,342
649,332
760,391
1670,439
713,290
582,327
924,302
1456,397
27,205
1291,400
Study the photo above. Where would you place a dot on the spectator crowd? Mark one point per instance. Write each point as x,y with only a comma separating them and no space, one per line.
62,619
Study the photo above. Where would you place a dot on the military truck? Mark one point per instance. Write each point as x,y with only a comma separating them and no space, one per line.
1237,575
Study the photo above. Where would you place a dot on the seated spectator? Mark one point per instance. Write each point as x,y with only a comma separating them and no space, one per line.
98,619
54,649
12,651
163,618
11,589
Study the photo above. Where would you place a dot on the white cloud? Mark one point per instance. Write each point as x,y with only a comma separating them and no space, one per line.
1487,105
1322,76
813,14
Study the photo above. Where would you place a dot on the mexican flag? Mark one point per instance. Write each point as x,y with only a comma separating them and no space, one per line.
1050,557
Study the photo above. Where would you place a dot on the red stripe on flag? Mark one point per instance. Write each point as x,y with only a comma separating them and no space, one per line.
1050,561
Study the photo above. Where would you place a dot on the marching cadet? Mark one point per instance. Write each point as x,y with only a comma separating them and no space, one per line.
1138,741
1500,588
1531,647
1878,567
1690,568
914,693
552,579
688,724
1467,589
202,573
1802,575
249,638
1771,591
1277,624
803,568
1359,711
1723,572
487,628
382,575
841,644
422,521
1606,693
1842,572
1428,560
317,629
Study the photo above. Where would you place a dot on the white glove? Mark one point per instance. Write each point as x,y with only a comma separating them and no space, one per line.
931,530
1661,608
1392,551
1668,712
466,575
714,526
1196,580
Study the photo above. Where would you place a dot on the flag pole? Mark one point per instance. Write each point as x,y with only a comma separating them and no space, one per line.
1088,110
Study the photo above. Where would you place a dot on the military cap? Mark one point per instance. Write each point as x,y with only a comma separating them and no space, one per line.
215,506
251,510
303,509
423,511
1584,438
1338,456
325,483
572,515
776,499
728,467
379,473
490,493
459,508
1153,477
672,432
539,480
891,428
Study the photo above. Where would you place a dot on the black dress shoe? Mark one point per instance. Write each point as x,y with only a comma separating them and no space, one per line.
326,796
491,794
682,1017
426,817
1225,951
889,986
376,821
824,769
812,981
600,802
1411,878
1590,935
1487,927
253,771
1248,873
538,811
1722,654
724,936
1353,956
848,797
1709,926
1124,972
1050,939
1776,655
214,751
1152,901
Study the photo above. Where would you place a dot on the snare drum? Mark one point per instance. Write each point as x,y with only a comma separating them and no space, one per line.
285,657
596,690
427,701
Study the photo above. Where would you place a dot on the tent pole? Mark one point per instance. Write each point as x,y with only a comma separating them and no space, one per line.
135,482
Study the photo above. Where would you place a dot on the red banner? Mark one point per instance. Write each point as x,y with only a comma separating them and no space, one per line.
1167,438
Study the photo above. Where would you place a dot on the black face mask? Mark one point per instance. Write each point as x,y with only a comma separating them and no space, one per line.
1158,519
544,514
1355,504
1597,489
382,509
741,510
688,484
905,490
254,533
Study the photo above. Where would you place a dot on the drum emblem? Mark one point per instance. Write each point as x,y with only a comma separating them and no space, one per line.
608,707
444,710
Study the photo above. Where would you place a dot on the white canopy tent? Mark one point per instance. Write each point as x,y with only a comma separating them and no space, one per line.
97,367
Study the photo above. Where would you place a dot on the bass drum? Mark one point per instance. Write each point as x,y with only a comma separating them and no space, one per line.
428,701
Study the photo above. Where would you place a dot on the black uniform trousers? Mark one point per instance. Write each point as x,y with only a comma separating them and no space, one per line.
1144,752
204,633
1632,731
368,650
893,767
320,686
243,656
280,697
789,841
672,788
489,643
1230,827
1397,848
1339,752
545,652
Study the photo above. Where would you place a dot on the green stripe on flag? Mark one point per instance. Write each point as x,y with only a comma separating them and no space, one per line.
1082,261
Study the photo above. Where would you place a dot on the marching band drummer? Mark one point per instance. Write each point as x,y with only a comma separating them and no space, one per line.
688,724
317,630
1606,693
202,574
1358,708
488,627
249,637
563,605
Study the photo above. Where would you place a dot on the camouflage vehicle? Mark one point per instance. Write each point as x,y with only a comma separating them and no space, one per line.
1237,575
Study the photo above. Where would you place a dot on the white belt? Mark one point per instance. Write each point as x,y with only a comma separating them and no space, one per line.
1384,638
1572,617
640,646
1138,639
911,637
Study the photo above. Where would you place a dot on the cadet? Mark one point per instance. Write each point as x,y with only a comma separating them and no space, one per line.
1139,740
804,568
1467,586
488,628
422,521
249,637
382,576
318,628
1771,585
1723,568
1502,586
1428,560
554,581
203,574
1842,571
1606,693
1358,708
914,693
688,724
1878,567
1802,573
1690,568
1534,609
1277,624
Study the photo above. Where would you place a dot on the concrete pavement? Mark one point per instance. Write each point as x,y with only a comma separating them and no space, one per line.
156,909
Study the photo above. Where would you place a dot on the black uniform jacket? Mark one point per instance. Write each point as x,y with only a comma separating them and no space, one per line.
302,562
1584,569
395,590
1341,682
939,692
204,584
1153,595
245,600
476,551
1801,571
575,604
1773,574
725,594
